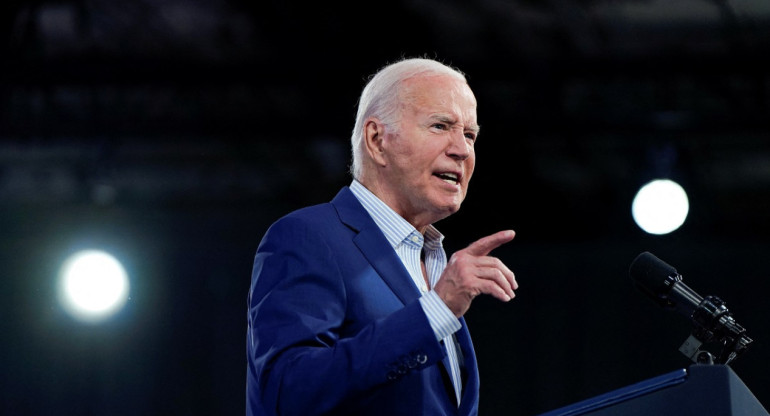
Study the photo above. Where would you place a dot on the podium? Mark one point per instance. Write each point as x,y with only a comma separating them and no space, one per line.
699,390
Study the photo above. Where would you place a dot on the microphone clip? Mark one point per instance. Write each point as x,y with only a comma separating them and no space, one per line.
713,323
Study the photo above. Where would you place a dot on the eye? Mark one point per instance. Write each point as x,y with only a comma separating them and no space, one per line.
470,136
440,126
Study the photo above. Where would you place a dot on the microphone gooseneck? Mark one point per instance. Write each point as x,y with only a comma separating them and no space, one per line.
712,321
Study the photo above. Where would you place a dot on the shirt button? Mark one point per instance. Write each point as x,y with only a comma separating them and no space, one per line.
415,239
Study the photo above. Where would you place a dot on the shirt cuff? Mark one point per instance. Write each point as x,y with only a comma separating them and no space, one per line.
442,320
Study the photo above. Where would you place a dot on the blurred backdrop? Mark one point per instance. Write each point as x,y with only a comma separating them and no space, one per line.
171,133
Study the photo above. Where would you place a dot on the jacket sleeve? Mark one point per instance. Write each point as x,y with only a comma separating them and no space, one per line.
297,311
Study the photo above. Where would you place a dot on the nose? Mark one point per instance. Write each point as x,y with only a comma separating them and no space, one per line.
459,148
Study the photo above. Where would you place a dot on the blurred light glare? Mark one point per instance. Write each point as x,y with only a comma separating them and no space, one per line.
94,285
660,206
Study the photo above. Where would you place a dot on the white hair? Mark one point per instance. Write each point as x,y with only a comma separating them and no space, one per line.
380,98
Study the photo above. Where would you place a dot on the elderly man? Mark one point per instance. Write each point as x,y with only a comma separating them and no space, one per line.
354,308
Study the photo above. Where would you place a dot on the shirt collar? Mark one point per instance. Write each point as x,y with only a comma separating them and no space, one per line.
394,226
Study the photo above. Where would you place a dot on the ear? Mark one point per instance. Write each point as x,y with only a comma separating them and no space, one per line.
374,135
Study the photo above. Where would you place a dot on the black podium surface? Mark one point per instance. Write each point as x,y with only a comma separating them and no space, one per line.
699,390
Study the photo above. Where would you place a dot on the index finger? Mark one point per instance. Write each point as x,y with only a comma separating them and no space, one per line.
485,245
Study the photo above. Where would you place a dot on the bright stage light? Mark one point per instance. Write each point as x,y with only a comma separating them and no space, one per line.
660,206
93,286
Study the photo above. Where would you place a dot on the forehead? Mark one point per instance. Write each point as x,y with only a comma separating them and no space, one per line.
440,94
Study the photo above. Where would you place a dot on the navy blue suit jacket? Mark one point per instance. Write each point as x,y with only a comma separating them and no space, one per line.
335,326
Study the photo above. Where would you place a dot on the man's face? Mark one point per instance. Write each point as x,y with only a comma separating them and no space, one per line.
431,156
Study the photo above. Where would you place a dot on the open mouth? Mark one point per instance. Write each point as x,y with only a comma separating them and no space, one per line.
449,177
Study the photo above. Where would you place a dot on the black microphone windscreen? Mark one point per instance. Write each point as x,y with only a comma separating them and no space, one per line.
651,273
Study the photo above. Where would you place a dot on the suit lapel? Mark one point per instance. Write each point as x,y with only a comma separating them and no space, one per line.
385,260
469,370
446,373
375,247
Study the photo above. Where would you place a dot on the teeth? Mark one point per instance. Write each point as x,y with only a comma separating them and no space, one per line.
448,177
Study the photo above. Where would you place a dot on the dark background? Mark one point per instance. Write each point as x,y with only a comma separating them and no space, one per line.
172,133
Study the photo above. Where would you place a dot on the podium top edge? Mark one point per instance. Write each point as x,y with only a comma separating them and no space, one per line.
622,394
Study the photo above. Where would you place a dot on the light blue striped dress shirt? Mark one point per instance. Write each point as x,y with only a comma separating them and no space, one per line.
409,244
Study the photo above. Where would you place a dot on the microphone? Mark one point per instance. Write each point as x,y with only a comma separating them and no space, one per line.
711,319
661,282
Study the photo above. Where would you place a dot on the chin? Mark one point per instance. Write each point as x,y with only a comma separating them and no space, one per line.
448,210
444,207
